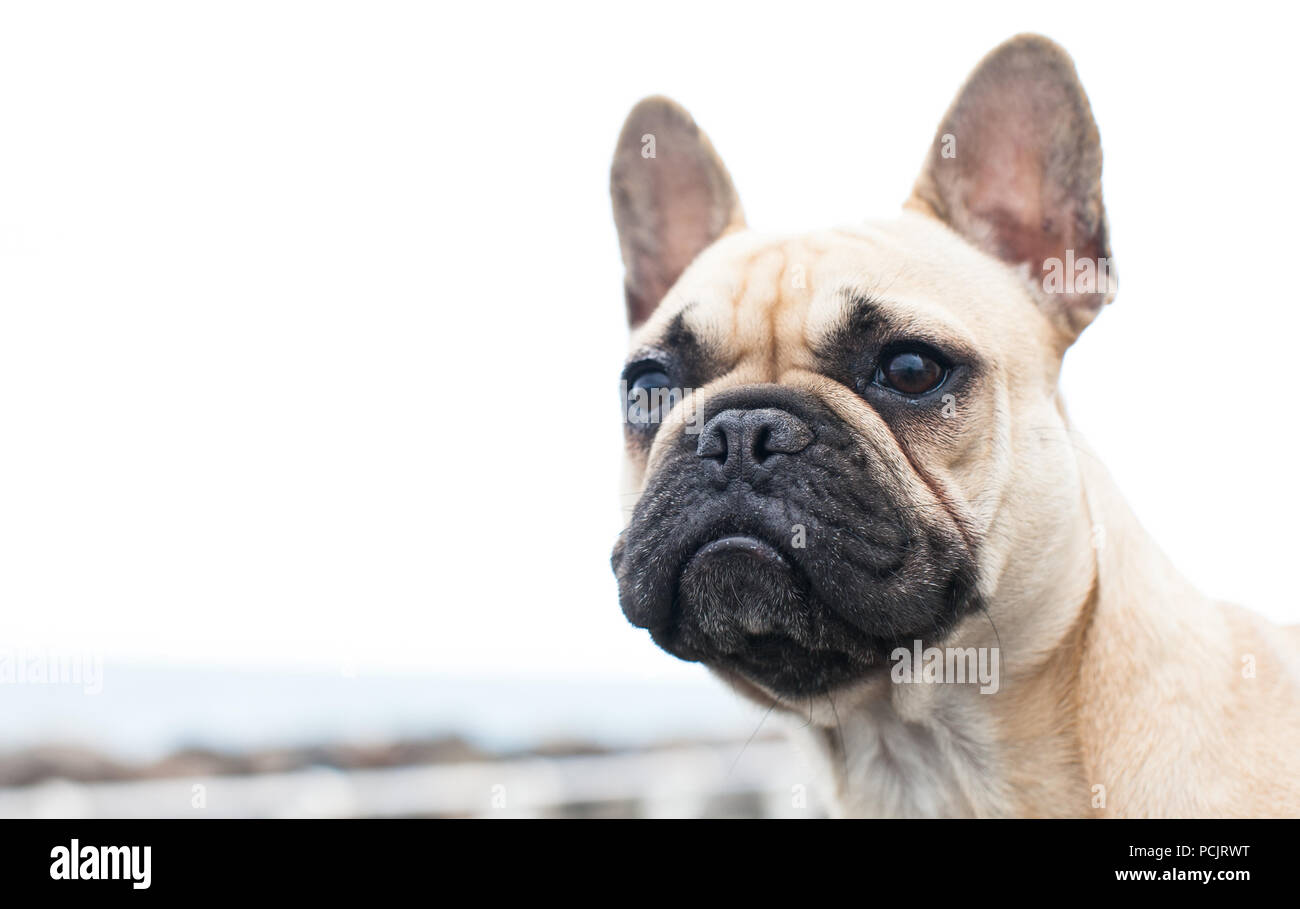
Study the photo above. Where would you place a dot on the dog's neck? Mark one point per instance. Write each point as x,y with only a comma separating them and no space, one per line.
949,749
946,750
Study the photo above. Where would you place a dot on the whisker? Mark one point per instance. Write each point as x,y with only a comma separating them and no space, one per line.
761,721
839,734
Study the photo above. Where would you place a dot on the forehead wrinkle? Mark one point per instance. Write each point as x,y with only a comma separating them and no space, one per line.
715,314
789,310
753,301
791,322
773,315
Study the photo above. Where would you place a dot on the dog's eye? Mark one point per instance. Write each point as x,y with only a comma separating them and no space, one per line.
650,396
911,372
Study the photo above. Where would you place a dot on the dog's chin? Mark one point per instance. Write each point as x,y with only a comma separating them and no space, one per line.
744,608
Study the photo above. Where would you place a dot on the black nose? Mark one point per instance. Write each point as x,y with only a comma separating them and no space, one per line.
743,440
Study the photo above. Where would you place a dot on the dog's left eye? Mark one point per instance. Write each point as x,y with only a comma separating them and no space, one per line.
911,372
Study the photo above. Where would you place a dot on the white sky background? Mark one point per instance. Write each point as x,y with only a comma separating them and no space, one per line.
311,316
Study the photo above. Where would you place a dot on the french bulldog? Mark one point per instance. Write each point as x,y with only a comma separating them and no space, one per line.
847,453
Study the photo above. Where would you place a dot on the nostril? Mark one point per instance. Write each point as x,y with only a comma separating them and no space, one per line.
772,431
719,437
712,445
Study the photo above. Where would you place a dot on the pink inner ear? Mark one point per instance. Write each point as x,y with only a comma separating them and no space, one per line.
1025,181
1007,196
685,222
690,219
668,207
693,203
1012,184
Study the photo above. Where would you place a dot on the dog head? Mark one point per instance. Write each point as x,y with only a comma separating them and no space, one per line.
847,441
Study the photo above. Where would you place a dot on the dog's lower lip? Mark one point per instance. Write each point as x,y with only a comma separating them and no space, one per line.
740,543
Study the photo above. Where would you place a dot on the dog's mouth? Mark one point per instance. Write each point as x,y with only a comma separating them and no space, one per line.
744,548
743,545
738,586
744,606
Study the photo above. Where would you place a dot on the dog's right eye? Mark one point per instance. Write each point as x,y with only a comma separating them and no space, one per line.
650,396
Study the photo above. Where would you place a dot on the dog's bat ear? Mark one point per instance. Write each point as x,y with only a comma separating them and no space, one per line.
672,198
1016,169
